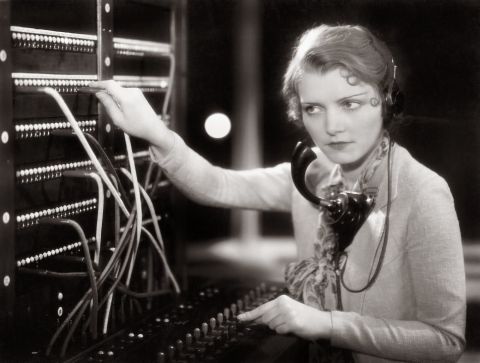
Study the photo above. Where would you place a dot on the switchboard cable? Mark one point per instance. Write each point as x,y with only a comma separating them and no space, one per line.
106,317
68,258
104,157
171,75
164,260
156,181
160,243
79,133
148,174
159,248
72,121
100,207
141,295
150,262
150,206
50,273
147,199
138,204
88,262
158,233
168,94
119,272
78,308
83,303
87,295
130,245
93,141
116,182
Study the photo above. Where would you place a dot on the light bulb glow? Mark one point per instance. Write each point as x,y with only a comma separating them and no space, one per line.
217,125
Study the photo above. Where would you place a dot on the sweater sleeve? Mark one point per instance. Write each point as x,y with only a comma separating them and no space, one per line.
260,189
435,258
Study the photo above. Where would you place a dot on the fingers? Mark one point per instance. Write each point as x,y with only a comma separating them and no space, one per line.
112,88
111,106
257,312
282,329
269,316
276,321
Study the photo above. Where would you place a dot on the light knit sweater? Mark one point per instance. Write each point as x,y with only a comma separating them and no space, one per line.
415,311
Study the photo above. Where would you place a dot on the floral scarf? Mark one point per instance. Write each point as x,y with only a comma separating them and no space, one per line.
309,280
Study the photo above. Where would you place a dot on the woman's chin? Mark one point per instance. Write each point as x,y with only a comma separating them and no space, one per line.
342,158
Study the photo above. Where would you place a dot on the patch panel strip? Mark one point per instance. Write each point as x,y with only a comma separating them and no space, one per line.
63,83
30,219
50,171
62,248
40,128
135,47
32,38
144,83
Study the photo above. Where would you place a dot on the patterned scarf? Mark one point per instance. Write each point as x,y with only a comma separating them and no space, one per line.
313,280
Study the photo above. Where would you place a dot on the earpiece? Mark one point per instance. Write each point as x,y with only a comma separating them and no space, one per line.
347,211
394,98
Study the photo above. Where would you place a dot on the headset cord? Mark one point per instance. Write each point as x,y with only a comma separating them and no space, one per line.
341,272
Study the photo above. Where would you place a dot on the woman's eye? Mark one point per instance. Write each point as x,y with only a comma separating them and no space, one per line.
350,105
310,109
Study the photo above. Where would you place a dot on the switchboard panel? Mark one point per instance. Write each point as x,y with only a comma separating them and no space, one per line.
74,254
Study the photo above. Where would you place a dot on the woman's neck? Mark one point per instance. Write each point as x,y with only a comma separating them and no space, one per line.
353,171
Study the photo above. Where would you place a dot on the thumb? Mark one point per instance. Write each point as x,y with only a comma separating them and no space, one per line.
111,106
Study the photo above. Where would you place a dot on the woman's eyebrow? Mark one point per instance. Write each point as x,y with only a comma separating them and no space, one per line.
314,103
355,95
311,104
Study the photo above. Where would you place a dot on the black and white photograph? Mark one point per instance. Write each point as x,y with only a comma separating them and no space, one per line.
241,181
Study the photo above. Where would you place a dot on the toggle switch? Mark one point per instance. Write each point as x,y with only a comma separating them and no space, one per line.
204,328
220,320
171,353
179,345
240,305
213,324
233,308
160,357
188,340
197,335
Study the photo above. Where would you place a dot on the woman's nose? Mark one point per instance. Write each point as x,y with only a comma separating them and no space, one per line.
334,123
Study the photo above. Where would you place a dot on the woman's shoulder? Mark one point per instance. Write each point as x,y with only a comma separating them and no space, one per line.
413,176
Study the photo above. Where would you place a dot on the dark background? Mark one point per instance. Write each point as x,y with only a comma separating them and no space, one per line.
435,44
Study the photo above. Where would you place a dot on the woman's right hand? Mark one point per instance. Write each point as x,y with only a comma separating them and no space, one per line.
130,111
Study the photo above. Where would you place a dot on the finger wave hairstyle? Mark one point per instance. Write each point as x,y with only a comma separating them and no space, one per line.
355,48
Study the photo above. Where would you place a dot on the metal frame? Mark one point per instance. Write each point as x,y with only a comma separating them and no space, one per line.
7,179
105,54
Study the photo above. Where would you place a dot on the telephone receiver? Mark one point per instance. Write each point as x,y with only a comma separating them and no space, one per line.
346,210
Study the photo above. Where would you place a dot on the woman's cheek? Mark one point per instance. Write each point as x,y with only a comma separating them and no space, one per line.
315,130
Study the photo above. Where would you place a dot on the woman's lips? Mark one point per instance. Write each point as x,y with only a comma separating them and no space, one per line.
341,145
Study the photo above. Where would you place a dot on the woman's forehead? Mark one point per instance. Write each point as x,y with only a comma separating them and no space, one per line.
332,84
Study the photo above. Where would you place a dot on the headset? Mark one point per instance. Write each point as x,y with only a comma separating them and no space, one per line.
394,100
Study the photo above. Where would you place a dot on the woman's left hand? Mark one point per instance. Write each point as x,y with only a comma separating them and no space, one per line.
286,315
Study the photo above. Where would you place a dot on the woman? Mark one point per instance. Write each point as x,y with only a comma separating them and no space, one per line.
397,292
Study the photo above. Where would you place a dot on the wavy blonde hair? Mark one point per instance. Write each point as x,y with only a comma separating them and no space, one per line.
352,47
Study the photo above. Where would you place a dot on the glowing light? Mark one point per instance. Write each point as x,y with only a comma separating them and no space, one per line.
218,125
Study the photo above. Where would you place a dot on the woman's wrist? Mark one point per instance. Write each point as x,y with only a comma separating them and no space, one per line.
330,326
162,139
326,324
322,327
